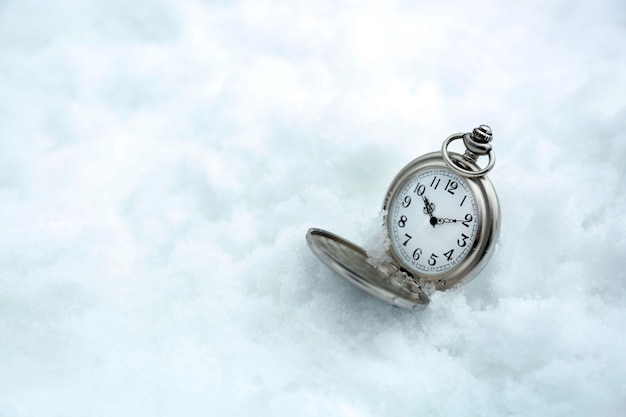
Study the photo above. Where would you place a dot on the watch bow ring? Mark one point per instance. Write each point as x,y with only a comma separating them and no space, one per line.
477,144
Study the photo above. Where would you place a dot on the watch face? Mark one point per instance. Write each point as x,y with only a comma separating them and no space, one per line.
433,221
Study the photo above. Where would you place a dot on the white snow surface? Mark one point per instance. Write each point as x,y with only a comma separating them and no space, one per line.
161,162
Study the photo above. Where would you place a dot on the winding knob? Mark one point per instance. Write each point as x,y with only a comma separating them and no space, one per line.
482,134
477,142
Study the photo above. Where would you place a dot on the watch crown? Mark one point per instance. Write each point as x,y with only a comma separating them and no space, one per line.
482,134
477,142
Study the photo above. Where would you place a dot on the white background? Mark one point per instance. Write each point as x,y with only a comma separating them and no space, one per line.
161,161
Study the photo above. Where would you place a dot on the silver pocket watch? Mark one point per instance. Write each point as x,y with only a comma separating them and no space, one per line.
442,218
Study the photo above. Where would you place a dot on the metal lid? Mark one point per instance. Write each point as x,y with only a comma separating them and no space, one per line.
350,261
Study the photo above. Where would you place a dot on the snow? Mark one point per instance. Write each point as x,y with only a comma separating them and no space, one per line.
161,163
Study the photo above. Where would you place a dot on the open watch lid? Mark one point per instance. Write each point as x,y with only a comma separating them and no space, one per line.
350,261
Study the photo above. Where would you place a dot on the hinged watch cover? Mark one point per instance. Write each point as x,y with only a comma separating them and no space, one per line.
351,262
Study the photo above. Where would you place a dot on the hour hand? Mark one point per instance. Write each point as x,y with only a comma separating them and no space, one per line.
428,209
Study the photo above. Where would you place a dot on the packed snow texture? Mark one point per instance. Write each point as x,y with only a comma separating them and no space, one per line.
161,162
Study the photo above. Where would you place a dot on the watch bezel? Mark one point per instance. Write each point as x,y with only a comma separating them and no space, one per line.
488,224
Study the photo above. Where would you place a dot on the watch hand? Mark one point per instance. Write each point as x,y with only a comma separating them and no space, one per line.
428,209
446,220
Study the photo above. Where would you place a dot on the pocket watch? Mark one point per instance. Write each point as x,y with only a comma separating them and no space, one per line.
442,218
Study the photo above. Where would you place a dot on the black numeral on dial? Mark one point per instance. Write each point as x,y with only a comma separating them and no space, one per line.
409,237
402,221
448,254
417,253
462,242
451,186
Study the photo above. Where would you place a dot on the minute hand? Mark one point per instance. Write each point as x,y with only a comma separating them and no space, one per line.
446,220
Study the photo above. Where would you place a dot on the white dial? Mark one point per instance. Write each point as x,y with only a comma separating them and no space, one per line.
433,221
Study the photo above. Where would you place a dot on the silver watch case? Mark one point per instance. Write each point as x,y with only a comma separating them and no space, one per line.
488,209
396,282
